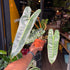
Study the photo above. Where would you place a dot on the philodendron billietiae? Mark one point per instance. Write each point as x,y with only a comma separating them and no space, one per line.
26,24
53,42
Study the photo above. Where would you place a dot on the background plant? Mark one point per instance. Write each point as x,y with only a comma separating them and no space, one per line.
5,59
53,43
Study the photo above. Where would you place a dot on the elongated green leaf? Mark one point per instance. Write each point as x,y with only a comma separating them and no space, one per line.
36,33
3,52
53,41
50,45
56,43
25,26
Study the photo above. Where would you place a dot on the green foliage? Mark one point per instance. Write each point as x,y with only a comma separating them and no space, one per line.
32,66
3,64
16,57
43,22
5,60
36,33
53,42
25,26
3,52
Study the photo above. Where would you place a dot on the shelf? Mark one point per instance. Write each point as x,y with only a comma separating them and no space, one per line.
65,36
65,47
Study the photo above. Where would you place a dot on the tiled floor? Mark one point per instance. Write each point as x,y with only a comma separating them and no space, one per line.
58,65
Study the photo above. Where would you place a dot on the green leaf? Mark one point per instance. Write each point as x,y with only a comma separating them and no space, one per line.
3,64
36,33
50,45
56,43
53,42
44,21
6,58
25,26
3,52
17,57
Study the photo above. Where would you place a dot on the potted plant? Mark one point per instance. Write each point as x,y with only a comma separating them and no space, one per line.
25,36
26,24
